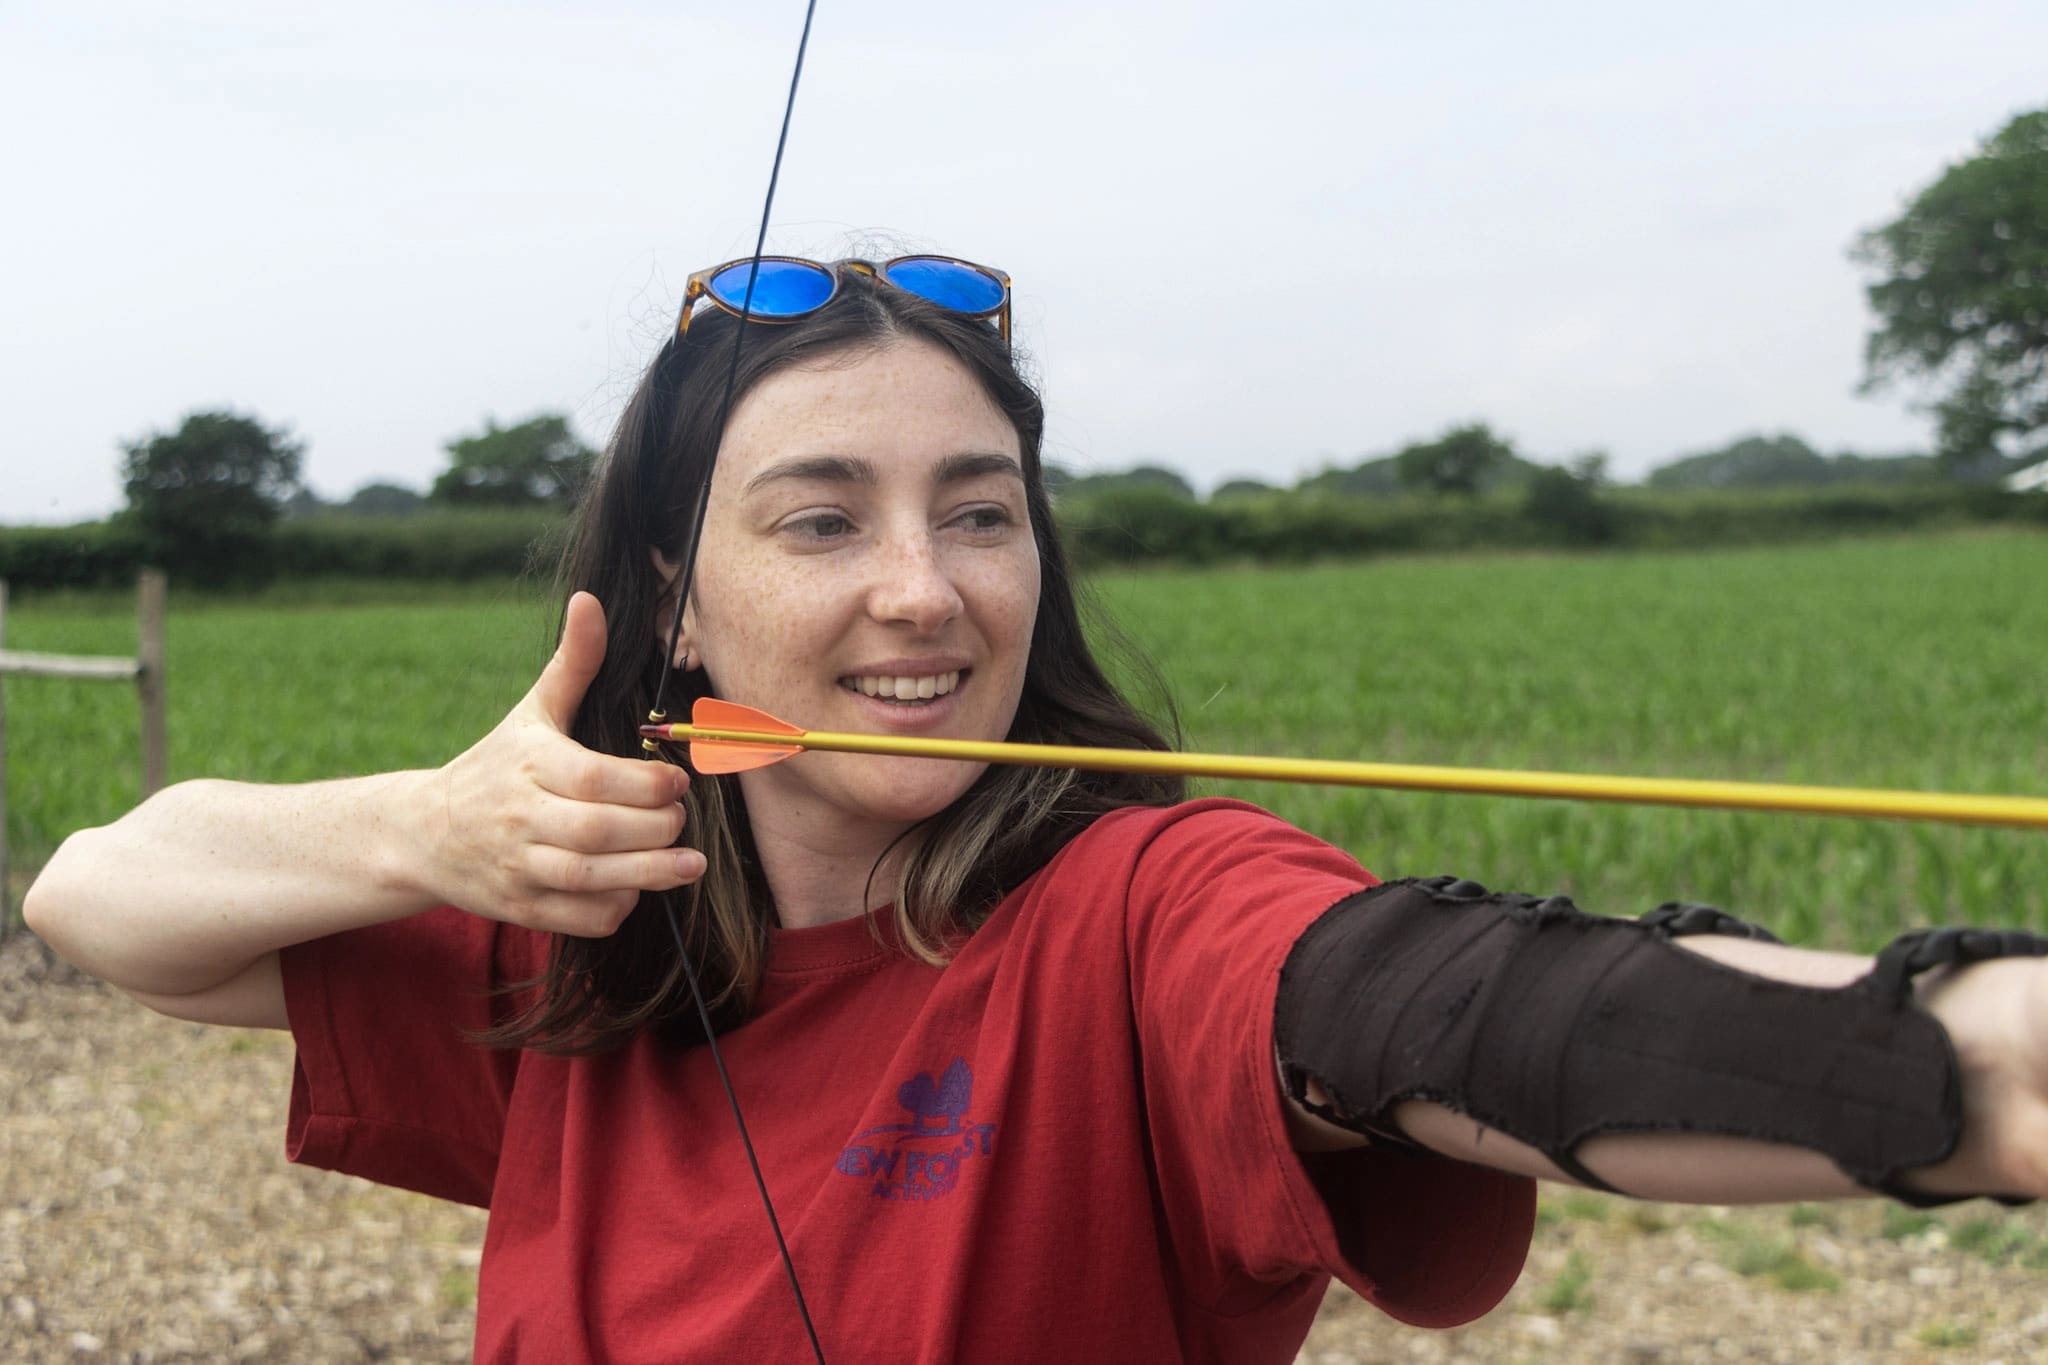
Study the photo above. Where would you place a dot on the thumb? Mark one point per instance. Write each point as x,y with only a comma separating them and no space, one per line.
577,658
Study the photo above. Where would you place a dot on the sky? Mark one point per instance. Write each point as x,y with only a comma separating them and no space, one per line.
1247,240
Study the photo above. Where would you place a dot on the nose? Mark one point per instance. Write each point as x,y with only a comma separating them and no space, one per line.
912,584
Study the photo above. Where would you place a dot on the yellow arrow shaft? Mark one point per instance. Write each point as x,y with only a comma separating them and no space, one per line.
2022,811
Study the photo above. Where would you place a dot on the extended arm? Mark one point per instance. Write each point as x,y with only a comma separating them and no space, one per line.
185,901
1614,1064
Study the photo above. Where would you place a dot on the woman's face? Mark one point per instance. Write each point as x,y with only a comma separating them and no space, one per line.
867,565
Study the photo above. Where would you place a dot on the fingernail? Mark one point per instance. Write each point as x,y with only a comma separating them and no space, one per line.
690,864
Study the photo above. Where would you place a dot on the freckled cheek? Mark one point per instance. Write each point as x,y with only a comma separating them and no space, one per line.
1003,623
766,625
1009,600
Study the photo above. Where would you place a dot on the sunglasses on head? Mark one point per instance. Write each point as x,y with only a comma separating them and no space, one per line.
786,288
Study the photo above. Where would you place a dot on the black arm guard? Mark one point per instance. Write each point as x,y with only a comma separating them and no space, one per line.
1552,1026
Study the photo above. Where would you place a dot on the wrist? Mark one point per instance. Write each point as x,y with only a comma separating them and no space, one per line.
1985,1010
408,820
1994,1014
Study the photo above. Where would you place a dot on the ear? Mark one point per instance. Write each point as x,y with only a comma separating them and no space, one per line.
665,609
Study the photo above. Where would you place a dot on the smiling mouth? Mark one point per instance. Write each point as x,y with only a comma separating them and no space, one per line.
904,690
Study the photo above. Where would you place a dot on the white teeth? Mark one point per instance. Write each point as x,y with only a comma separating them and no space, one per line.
898,688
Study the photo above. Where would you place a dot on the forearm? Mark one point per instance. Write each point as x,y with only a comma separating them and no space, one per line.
1681,1167
1973,1005
193,885
1615,1065
1685,1168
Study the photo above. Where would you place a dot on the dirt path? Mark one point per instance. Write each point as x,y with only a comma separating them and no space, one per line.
147,1214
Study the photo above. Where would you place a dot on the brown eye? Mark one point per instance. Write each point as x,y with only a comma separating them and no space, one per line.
985,518
822,526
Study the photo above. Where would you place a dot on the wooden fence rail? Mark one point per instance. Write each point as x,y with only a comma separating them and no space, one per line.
145,670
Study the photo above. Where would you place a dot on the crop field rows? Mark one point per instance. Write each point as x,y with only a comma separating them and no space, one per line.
1914,663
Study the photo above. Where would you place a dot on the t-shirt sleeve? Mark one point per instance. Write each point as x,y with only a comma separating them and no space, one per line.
387,1084
1218,895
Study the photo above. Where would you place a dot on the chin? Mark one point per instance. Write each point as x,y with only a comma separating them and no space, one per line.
910,790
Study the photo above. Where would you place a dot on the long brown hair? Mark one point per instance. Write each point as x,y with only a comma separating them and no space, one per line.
596,994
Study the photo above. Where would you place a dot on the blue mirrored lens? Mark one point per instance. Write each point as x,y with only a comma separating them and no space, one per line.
949,284
784,289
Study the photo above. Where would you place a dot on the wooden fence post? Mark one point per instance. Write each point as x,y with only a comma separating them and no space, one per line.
149,676
145,670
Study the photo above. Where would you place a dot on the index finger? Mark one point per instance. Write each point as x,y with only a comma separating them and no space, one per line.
615,781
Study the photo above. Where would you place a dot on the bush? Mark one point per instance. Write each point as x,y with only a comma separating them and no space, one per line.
437,546
1568,508
94,554
1136,524
443,545
1119,526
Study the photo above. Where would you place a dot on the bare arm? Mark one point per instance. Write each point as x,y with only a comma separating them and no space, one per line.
193,888
1996,1015
185,901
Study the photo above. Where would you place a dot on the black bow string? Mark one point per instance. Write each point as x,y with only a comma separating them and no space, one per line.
656,715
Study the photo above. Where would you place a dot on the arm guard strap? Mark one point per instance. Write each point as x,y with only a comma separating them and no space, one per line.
1553,1026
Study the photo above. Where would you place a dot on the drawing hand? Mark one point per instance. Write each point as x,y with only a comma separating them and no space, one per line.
534,829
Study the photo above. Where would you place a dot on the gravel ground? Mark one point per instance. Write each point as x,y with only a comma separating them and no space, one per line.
147,1214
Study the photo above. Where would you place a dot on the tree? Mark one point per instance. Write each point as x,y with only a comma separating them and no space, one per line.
1377,477
1566,503
1786,461
539,461
1757,461
205,497
303,503
1962,295
1459,461
1144,478
383,500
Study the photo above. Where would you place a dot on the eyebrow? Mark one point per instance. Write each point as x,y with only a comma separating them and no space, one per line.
846,469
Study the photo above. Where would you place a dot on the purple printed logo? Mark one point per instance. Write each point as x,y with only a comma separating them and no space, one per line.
921,1159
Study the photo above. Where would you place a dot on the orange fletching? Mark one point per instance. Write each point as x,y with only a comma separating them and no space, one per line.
734,755
713,714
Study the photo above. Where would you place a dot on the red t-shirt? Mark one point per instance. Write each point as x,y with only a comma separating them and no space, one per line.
1068,1144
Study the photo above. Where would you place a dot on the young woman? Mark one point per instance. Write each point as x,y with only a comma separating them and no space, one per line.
1039,1064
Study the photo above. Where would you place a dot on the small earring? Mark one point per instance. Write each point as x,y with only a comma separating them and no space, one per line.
686,659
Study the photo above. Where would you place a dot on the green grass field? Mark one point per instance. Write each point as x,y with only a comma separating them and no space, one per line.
1908,663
